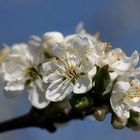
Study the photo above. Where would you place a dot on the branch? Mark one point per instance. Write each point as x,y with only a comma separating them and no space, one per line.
20,122
78,107
45,118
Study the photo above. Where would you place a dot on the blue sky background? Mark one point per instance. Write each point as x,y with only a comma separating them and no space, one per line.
118,22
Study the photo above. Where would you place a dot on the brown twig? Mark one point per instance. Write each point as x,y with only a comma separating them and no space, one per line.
39,118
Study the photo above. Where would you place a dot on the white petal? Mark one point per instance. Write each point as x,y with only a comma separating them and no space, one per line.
51,77
83,85
121,87
23,50
134,59
134,104
14,86
15,76
92,72
117,96
50,67
13,64
121,66
134,72
80,28
13,89
113,75
58,90
81,44
121,110
69,38
34,41
135,108
20,49
37,97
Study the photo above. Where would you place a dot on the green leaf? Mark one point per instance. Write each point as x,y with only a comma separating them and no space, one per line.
102,79
28,82
81,102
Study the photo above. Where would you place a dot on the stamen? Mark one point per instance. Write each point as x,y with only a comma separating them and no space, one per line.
62,58
54,61
31,72
117,56
138,88
130,96
134,84
138,94
78,52
50,71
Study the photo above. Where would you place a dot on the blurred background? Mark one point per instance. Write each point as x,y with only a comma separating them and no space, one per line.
118,21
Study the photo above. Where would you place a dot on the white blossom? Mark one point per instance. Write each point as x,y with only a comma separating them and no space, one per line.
21,70
53,67
19,67
116,58
125,96
71,71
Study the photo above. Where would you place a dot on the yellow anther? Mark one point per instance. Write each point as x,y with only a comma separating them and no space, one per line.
62,58
138,94
138,87
106,47
54,61
78,52
130,96
50,71
133,83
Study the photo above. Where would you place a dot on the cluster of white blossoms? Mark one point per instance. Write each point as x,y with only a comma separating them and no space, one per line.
53,68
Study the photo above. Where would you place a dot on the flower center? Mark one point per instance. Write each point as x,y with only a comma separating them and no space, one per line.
111,56
31,72
71,71
131,96
134,91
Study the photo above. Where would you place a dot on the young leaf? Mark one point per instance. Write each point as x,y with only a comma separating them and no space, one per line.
102,79
81,102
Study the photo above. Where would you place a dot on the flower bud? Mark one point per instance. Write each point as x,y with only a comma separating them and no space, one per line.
134,121
118,123
100,113
49,41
